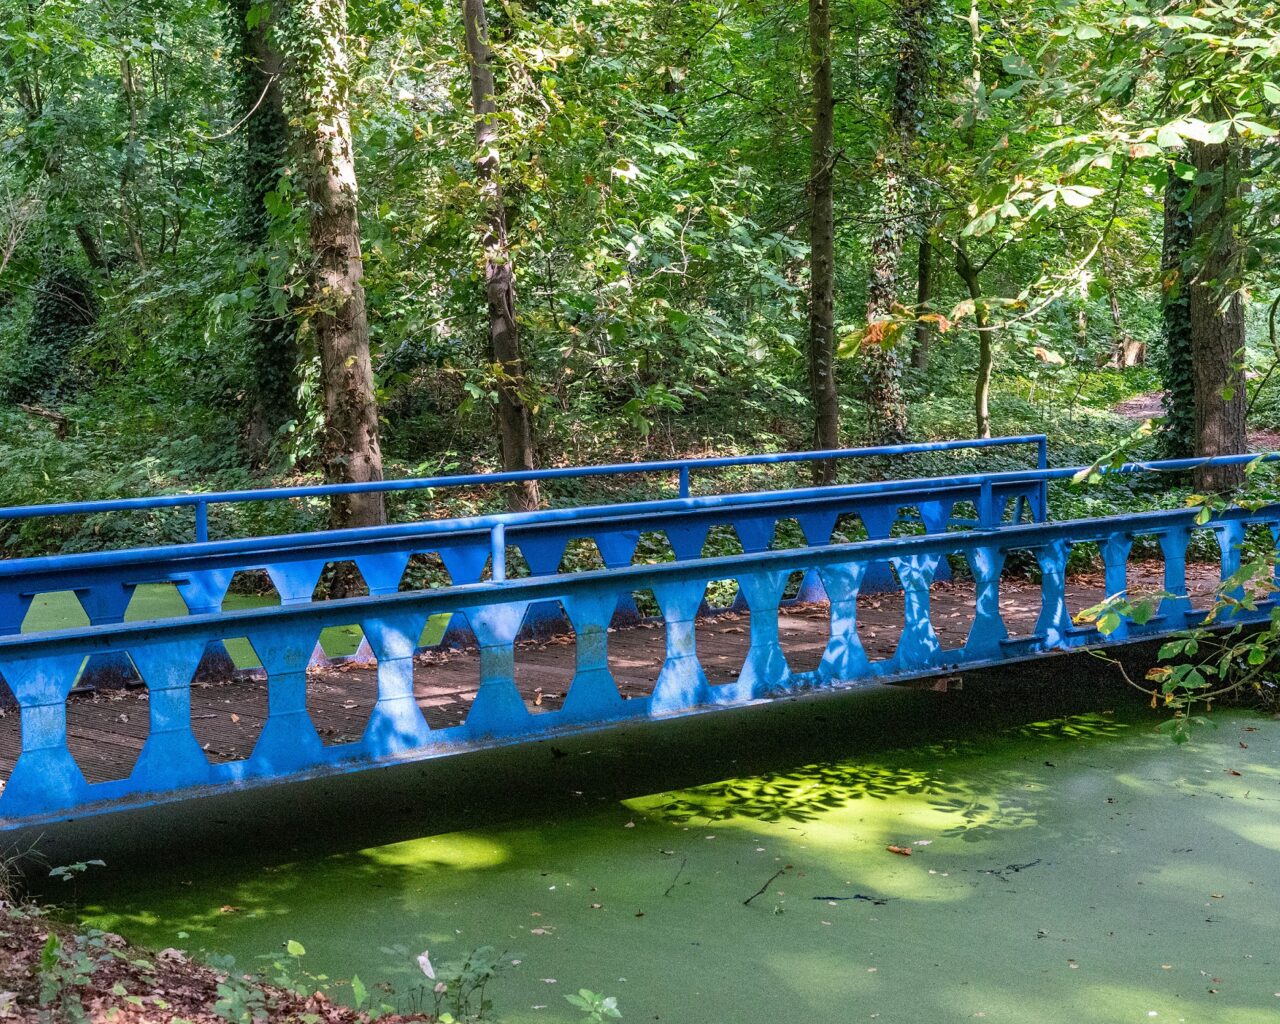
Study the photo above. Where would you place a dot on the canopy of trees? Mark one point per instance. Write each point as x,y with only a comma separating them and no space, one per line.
263,239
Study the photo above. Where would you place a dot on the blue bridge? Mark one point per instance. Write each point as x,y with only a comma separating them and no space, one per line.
560,620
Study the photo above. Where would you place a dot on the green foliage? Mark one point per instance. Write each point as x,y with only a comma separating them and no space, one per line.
42,366
597,1008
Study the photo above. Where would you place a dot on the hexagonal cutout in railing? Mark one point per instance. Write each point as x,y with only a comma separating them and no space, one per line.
342,691
722,542
1021,595
880,619
107,728
953,607
653,548
10,732
804,629
340,579
787,534
723,638
250,588
445,683
581,554
637,645
545,667
59,609
153,601
229,700
849,529
425,571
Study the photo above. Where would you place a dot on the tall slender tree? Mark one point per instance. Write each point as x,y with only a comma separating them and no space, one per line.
886,405
271,340
515,423
822,268
350,448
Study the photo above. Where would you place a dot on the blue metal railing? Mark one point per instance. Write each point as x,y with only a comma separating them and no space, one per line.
683,467
47,782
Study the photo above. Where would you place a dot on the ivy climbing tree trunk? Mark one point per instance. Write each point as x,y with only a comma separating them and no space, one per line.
515,423
1217,315
271,340
886,405
1177,372
350,451
822,266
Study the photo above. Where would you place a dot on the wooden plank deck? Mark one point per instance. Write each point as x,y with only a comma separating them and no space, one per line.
108,729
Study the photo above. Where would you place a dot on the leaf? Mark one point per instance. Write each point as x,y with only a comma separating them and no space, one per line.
295,948
1045,356
1271,91
358,990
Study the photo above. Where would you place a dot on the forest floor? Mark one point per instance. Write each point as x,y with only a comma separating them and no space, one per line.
51,971
1151,404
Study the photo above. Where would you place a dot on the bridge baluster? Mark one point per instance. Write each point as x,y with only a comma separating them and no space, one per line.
171,757
396,724
46,777
765,670
1054,624
681,683
593,695
1174,541
289,741
498,709
845,659
918,644
1230,537
1115,563
988,630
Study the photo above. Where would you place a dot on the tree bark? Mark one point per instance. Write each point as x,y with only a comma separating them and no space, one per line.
822,267
271,338
886,404
1217,316
350,449
515,423
969,274
924,294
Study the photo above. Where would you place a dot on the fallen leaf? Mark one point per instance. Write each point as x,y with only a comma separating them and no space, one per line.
902,851
228,909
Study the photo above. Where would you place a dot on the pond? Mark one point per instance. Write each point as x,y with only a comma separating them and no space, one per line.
1063,868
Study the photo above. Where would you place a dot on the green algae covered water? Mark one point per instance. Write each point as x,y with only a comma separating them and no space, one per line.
1067,869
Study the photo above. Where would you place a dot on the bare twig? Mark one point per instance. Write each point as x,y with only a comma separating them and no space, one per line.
761,890
677,878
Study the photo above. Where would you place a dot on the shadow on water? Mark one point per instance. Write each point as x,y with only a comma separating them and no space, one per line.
783,741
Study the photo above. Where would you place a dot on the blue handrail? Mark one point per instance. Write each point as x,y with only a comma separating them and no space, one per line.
684,467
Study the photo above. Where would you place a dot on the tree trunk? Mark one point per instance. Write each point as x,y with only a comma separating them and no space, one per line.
822,266
982,385
515,424
1177,372
886,405
924,293
271,338
350,448
1217,316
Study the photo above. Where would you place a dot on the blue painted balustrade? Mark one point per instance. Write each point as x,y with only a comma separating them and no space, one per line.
105,582
41,669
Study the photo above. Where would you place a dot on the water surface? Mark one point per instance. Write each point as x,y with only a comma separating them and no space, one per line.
1079,868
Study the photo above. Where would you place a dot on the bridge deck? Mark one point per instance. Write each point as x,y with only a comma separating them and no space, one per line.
107,730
